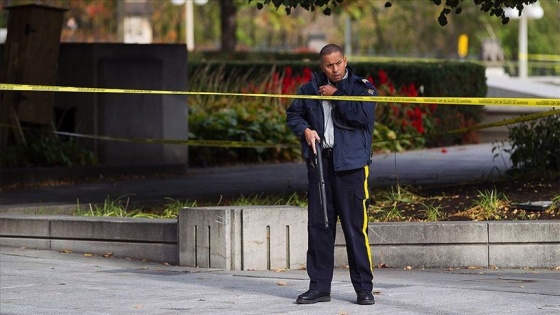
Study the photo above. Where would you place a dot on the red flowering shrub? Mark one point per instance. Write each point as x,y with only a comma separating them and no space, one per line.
282,82
401,126
245,118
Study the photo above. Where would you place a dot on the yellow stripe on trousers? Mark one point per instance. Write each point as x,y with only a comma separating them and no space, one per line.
366,221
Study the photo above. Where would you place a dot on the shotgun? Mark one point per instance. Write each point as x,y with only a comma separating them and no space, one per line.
322,192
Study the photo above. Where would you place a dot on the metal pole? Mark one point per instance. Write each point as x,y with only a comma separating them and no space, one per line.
189,24
523,46
348,37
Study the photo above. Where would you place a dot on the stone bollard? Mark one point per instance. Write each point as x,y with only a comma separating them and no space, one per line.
243,237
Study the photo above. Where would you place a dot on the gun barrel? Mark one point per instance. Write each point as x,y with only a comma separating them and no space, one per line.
322,191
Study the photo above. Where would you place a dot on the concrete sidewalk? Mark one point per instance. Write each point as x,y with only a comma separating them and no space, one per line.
49,282
432,166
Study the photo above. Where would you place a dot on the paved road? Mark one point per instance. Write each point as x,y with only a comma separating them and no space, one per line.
49,282
444,166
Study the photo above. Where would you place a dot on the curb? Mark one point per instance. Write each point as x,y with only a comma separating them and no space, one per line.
502,244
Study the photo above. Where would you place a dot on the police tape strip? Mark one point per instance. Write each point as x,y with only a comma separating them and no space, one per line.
197,143
245,144
362,58
490,101
505,122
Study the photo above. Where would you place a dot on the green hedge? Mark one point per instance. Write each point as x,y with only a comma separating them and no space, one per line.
436,79
440,79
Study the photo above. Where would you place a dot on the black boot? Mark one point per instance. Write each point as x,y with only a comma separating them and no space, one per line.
313,296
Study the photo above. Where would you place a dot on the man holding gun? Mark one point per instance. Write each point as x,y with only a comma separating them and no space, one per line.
344,130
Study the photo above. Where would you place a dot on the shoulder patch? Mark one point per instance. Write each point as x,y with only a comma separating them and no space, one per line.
366,83
370,89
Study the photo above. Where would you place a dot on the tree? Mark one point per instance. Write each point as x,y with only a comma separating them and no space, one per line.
229,25
491,7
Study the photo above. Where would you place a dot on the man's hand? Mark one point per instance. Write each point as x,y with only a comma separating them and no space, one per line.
310,137
327,90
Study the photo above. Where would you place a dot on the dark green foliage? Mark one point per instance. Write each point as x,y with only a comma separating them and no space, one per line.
45,149
535,145
263,119
440,79
490,7
437,79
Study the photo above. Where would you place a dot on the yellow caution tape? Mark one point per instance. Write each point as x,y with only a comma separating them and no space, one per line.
544,57
361,58
245,144
197,143
535,102
504,122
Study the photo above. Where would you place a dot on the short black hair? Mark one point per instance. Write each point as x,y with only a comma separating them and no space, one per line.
329,49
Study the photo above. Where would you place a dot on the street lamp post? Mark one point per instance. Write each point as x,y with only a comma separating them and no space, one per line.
189,19
532,11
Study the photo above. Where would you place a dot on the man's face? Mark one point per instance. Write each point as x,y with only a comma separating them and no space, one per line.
334,66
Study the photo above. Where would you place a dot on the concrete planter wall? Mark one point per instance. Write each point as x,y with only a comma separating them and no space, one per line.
150,239
461,244
243,238
259,238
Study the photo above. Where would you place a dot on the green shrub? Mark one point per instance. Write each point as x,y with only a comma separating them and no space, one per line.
45,149
535,145
240,118
439,79
398,126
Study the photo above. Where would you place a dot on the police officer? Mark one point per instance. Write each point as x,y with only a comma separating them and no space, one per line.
344,129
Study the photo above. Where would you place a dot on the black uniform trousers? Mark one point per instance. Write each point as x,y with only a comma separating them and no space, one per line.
347,192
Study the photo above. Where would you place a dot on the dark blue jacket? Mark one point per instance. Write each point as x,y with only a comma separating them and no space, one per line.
353,131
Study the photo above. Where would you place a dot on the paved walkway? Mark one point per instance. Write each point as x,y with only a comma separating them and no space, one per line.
49,282
444,166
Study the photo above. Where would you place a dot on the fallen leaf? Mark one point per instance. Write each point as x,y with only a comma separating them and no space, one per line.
281,283
280,270
473,267
108,255
408,268
138,306
382,266
376,292
66,251
88,255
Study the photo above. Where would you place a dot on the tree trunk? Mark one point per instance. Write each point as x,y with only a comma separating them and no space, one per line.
229,25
